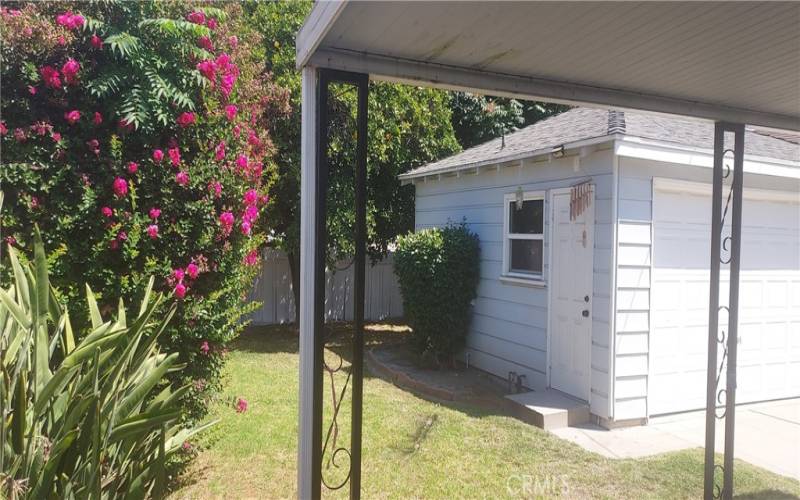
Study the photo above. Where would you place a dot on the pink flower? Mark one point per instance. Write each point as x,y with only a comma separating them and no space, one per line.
223,62
98,118
3,129
158,155
50,76
56,136
41,128
226,85
226,220
251,259
64,19
107,212
152,231
192,270
233,41
246,229
70,20
241,405
132,167
250,197
94,146
205,42
186,118
196,17
174,156
120,187
212,24
72,116
216,187
70,71
178,274
122,236
207,69
182,178
31,90
230,111
97,42
186,446
241,161
78,21
250,214
180,290
219,151
155,213
205,348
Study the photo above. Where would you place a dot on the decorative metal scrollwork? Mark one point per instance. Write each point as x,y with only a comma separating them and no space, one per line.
333,429
720,411
717,487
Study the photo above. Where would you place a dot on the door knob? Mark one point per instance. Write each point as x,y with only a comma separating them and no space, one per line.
585,313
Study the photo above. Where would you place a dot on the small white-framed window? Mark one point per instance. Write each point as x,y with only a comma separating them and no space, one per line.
523,235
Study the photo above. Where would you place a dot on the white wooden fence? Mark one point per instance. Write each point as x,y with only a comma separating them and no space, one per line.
274,290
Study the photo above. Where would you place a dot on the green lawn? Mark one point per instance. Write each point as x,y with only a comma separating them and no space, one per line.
414,448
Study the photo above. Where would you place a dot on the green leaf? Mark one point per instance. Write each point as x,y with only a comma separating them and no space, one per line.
94,311
16,311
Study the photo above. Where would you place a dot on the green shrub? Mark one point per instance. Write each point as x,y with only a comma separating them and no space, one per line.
94,419
135,135
438,270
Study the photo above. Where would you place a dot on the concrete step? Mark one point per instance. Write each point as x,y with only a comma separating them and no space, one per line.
549,409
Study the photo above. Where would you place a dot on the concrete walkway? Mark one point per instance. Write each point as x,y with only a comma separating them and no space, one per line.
767,435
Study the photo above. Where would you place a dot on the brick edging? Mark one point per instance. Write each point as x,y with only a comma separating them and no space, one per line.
405,381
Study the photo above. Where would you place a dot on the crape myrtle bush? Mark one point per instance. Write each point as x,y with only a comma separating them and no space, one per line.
136,135
438,270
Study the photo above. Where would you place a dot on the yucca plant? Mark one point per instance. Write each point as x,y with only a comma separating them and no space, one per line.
94,419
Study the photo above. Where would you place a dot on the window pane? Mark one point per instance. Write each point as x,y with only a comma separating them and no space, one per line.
526,256
529,219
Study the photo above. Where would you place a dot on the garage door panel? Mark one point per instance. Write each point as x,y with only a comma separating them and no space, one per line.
769,301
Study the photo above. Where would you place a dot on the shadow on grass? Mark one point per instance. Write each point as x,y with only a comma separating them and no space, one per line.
768,495
339,335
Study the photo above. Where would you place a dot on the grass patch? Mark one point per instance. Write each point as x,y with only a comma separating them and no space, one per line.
414,448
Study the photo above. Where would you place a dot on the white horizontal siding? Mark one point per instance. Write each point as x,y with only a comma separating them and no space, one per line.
633,281
510,322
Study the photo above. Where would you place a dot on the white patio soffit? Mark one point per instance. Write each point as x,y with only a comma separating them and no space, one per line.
730,61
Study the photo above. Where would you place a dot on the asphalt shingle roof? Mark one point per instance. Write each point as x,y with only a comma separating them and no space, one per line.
580,124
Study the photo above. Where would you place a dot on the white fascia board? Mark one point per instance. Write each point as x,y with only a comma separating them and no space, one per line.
318,23
416,72
516,159
646,149
666,184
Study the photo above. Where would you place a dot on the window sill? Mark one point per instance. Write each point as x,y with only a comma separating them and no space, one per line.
529,282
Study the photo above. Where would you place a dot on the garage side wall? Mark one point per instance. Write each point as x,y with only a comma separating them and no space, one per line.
510,320
658,367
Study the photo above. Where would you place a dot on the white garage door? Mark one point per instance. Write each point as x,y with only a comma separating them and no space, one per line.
769,296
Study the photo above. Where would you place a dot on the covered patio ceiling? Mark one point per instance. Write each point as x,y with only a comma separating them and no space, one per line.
729,61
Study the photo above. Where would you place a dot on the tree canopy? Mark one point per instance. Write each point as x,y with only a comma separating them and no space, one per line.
478,118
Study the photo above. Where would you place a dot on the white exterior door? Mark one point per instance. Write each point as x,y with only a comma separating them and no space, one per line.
769,297
570,295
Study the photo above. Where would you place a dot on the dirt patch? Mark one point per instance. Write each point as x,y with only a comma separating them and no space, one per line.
398,364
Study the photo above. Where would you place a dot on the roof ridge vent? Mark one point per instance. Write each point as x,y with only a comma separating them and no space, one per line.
616,122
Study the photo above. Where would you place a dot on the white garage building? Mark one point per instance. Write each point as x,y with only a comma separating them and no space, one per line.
595,242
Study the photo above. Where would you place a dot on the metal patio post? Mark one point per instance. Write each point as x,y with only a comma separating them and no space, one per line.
314,187
717,335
